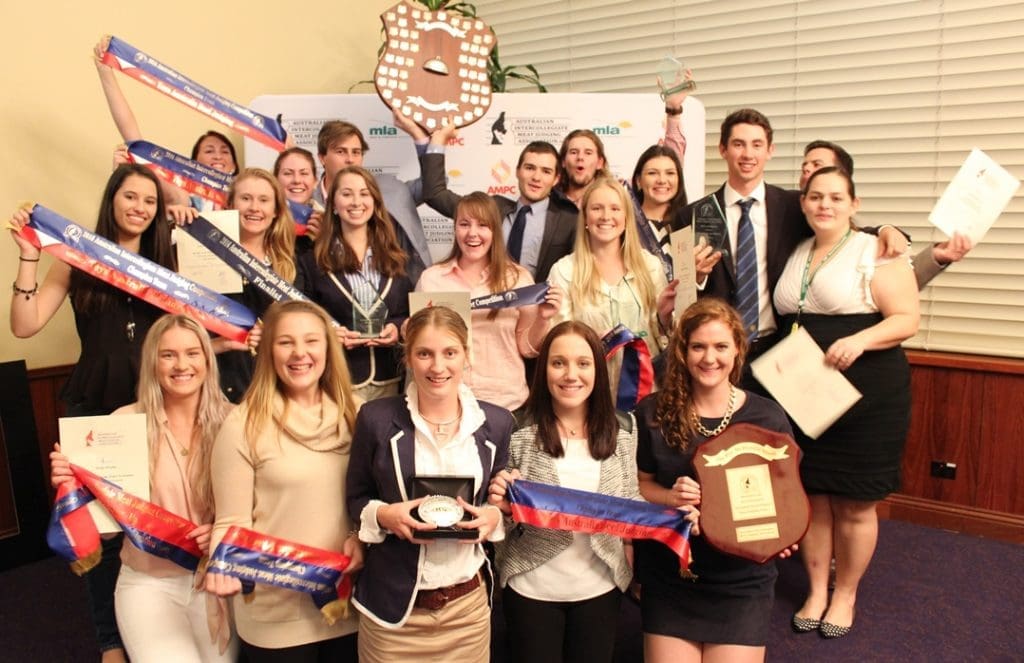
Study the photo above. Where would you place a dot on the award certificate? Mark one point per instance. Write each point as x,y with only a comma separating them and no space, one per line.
682,268
199,264
114,447
975,197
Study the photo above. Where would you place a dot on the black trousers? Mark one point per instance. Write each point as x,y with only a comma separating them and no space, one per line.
561,632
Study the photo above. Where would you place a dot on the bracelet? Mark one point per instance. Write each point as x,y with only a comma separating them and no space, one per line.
23,259
673,111
28,293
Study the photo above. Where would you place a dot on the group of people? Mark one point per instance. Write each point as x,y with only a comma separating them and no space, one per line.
333,425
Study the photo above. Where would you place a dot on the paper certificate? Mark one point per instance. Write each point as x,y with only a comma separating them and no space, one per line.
975,197
683,269
115,447
197,263
457,301
813,394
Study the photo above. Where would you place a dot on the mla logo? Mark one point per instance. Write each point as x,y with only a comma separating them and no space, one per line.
383,130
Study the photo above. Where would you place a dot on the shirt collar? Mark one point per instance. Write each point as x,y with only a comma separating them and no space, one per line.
473,416
537,209
732,197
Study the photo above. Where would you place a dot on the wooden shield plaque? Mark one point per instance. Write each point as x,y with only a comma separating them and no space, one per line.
752,502
434,66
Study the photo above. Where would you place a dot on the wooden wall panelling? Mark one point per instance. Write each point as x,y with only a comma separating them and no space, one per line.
1000,479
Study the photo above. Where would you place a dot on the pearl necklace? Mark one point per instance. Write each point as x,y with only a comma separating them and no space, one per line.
730,408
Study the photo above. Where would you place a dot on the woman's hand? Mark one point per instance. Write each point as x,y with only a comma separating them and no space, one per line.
397,519
182,214
201,535
121,156
222,585
485,520
552,303
675,101
60,467
314,224
844,352
704,260
684,492
353,549
891,242
667,305
350,339
692,517
98,50
788,552
387,338
498,490
20,219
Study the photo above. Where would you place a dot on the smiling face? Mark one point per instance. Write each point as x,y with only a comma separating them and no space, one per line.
298,178
746,153
255,200
582,161
299,352
473,237
181,363
135,204
216,154
828,205
436,358
570,373
537,174
659,180
353,202
605,217
710,355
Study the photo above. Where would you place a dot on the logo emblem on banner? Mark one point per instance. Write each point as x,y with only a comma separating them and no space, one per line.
434,66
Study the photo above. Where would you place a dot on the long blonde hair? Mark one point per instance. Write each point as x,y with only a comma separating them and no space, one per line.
279,240
335,382
586,279
210,413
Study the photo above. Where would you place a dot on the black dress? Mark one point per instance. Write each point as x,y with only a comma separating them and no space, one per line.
235,366
730,601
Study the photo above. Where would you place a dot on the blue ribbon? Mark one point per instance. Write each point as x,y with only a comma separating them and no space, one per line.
636,378
525,296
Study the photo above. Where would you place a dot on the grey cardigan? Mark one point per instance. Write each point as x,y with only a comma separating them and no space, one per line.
526,547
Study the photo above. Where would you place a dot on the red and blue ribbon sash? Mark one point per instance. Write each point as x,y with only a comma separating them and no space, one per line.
301,214
251,268
259,558
555,507
636,378
148,70
139,277
528,295
73,536
184,173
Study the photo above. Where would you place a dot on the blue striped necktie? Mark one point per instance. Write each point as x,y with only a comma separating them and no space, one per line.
747,302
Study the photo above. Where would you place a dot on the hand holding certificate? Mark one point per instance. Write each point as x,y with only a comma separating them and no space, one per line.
796,367
975,197
113,447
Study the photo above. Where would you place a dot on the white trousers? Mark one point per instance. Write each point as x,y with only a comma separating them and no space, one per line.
164,620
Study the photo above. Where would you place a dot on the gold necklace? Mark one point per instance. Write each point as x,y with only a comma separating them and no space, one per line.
571,431
703,430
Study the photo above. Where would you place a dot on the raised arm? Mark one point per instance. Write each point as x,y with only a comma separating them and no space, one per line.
432,169
120,111
32,304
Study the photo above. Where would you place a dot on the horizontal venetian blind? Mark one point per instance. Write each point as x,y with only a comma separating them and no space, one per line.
908,88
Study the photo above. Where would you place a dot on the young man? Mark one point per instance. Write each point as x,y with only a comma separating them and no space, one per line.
778,223
930,261
580,160
550,222
341,144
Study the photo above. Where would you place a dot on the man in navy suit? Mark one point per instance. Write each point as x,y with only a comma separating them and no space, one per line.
550,228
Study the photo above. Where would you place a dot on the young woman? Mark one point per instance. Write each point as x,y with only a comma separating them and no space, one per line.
111,326
608,278
479,264
159,614
357,273
278,468
723,613
858,309
658,194
562,590
426,599
266,230
295,169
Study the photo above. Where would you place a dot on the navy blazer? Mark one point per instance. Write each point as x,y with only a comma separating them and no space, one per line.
383,449
559,224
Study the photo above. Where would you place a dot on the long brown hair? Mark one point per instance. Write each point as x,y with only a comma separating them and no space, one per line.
674,407
602,426
279,239
333,253
335,383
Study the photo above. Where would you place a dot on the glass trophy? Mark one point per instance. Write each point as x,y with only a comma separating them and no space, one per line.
370,324
672,77
709,224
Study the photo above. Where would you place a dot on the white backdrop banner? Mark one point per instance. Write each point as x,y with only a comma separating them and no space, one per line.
483,155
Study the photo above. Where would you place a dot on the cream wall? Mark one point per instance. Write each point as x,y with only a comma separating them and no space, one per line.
58,133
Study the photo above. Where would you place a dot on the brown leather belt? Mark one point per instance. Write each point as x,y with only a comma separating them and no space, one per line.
435,599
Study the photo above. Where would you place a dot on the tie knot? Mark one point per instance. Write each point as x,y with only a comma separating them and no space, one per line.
523,211
746,204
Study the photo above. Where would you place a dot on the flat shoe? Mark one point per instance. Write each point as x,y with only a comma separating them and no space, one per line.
831,631
805,624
